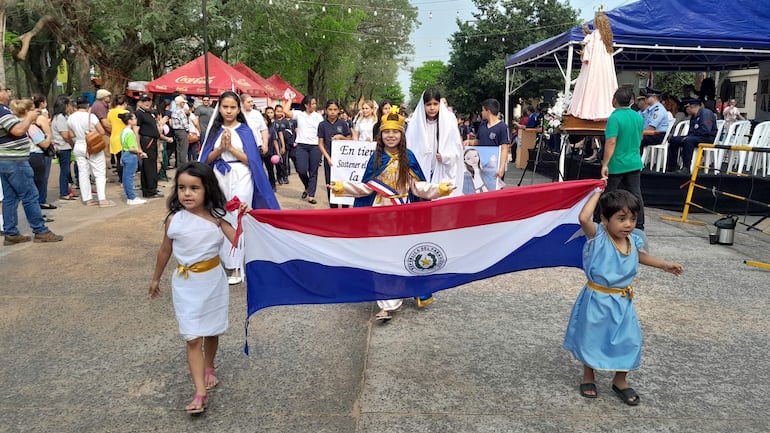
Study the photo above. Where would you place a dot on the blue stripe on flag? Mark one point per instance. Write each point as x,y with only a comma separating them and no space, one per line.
302,282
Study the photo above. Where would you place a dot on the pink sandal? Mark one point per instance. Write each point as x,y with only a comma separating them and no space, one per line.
211,380
198,403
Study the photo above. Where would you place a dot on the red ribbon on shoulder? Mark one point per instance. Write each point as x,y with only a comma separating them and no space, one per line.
233,205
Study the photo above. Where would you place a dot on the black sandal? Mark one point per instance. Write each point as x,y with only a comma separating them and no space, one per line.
48,206
585,388
628,395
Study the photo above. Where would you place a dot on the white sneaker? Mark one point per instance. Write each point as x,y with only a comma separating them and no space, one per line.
135,201
234,280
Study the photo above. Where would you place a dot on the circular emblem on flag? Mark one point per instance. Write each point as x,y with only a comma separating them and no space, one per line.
424,259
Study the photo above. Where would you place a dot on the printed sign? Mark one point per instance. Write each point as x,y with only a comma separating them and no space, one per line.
349,159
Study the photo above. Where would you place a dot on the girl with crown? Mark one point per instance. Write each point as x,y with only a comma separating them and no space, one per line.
392,177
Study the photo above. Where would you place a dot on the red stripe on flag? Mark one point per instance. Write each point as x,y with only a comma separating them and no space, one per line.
424,217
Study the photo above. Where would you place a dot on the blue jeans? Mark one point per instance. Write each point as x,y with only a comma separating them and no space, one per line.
64,171
19,185
41,168
308,160
130,162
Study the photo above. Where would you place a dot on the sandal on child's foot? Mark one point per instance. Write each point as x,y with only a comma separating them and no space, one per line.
211,380
628,395
198,404
588,390
383,315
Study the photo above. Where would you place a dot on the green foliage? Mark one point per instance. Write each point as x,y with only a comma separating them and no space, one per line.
430,74
671,83
350,49
502,28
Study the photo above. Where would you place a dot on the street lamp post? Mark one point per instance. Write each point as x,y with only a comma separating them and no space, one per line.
205,50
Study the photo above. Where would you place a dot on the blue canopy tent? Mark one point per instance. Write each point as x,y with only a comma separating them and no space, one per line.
672,35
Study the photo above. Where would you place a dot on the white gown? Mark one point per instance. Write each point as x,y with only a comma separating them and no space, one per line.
236,182
422,141
201,300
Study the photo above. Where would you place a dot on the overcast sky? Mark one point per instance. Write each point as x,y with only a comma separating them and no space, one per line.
431,39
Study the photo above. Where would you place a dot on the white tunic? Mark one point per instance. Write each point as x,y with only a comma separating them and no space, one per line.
236,182
201,300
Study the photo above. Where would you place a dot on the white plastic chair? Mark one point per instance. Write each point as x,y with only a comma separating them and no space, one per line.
731,138
760,138
648,150
659,152
710,155
741,138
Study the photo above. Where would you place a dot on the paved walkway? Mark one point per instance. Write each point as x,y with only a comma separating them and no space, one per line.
85,350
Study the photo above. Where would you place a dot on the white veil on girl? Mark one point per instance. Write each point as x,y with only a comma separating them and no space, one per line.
450,146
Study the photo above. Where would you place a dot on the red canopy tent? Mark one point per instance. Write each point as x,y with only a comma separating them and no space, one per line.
282,85
189,79
272,92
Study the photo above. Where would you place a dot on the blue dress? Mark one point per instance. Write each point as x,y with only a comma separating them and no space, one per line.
603,331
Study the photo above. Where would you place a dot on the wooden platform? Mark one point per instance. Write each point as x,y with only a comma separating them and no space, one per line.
577,126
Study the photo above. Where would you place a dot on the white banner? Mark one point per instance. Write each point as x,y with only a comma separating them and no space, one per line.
349,159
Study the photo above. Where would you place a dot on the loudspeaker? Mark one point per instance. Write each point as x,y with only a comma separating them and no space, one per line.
549,96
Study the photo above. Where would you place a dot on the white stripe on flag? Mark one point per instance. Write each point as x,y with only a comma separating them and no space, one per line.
468,250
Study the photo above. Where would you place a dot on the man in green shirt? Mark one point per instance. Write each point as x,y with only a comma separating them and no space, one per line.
622,163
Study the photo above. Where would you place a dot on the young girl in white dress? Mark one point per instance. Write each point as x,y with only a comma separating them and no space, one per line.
194,232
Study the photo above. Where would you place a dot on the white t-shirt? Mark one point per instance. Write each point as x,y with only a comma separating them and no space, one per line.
365,128
257,124
307,126
78,124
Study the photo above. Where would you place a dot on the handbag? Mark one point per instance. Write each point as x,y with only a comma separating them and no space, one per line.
94,140
37,136
192,138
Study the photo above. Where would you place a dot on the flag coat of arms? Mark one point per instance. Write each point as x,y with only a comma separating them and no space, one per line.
367,254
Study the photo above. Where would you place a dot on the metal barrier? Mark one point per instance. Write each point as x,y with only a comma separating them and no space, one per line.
693,184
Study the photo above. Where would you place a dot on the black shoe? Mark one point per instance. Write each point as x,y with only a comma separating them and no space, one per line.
685,171
286,180
304,195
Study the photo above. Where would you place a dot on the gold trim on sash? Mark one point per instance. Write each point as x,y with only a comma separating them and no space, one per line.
203,266
628,291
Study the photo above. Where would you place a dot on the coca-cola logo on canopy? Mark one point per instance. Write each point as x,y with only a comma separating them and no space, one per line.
194,80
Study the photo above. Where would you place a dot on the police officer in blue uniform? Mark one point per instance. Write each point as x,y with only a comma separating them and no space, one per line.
655,120
703,129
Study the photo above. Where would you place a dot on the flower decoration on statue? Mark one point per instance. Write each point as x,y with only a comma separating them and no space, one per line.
552,120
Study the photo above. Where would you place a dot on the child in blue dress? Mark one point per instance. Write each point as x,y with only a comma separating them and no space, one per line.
603,331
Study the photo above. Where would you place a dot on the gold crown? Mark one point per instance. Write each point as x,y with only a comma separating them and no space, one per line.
386,123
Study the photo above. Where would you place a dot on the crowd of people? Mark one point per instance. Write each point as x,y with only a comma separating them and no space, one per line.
231,158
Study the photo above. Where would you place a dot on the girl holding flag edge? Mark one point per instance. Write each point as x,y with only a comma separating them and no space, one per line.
232,151
603,330
194,231
392,177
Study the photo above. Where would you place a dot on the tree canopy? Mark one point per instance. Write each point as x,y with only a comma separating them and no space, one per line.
430,74
502,27
348,49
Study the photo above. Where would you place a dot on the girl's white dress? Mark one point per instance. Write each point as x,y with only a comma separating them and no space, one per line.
202,299
236,182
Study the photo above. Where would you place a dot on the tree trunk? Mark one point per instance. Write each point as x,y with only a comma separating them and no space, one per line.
2,45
